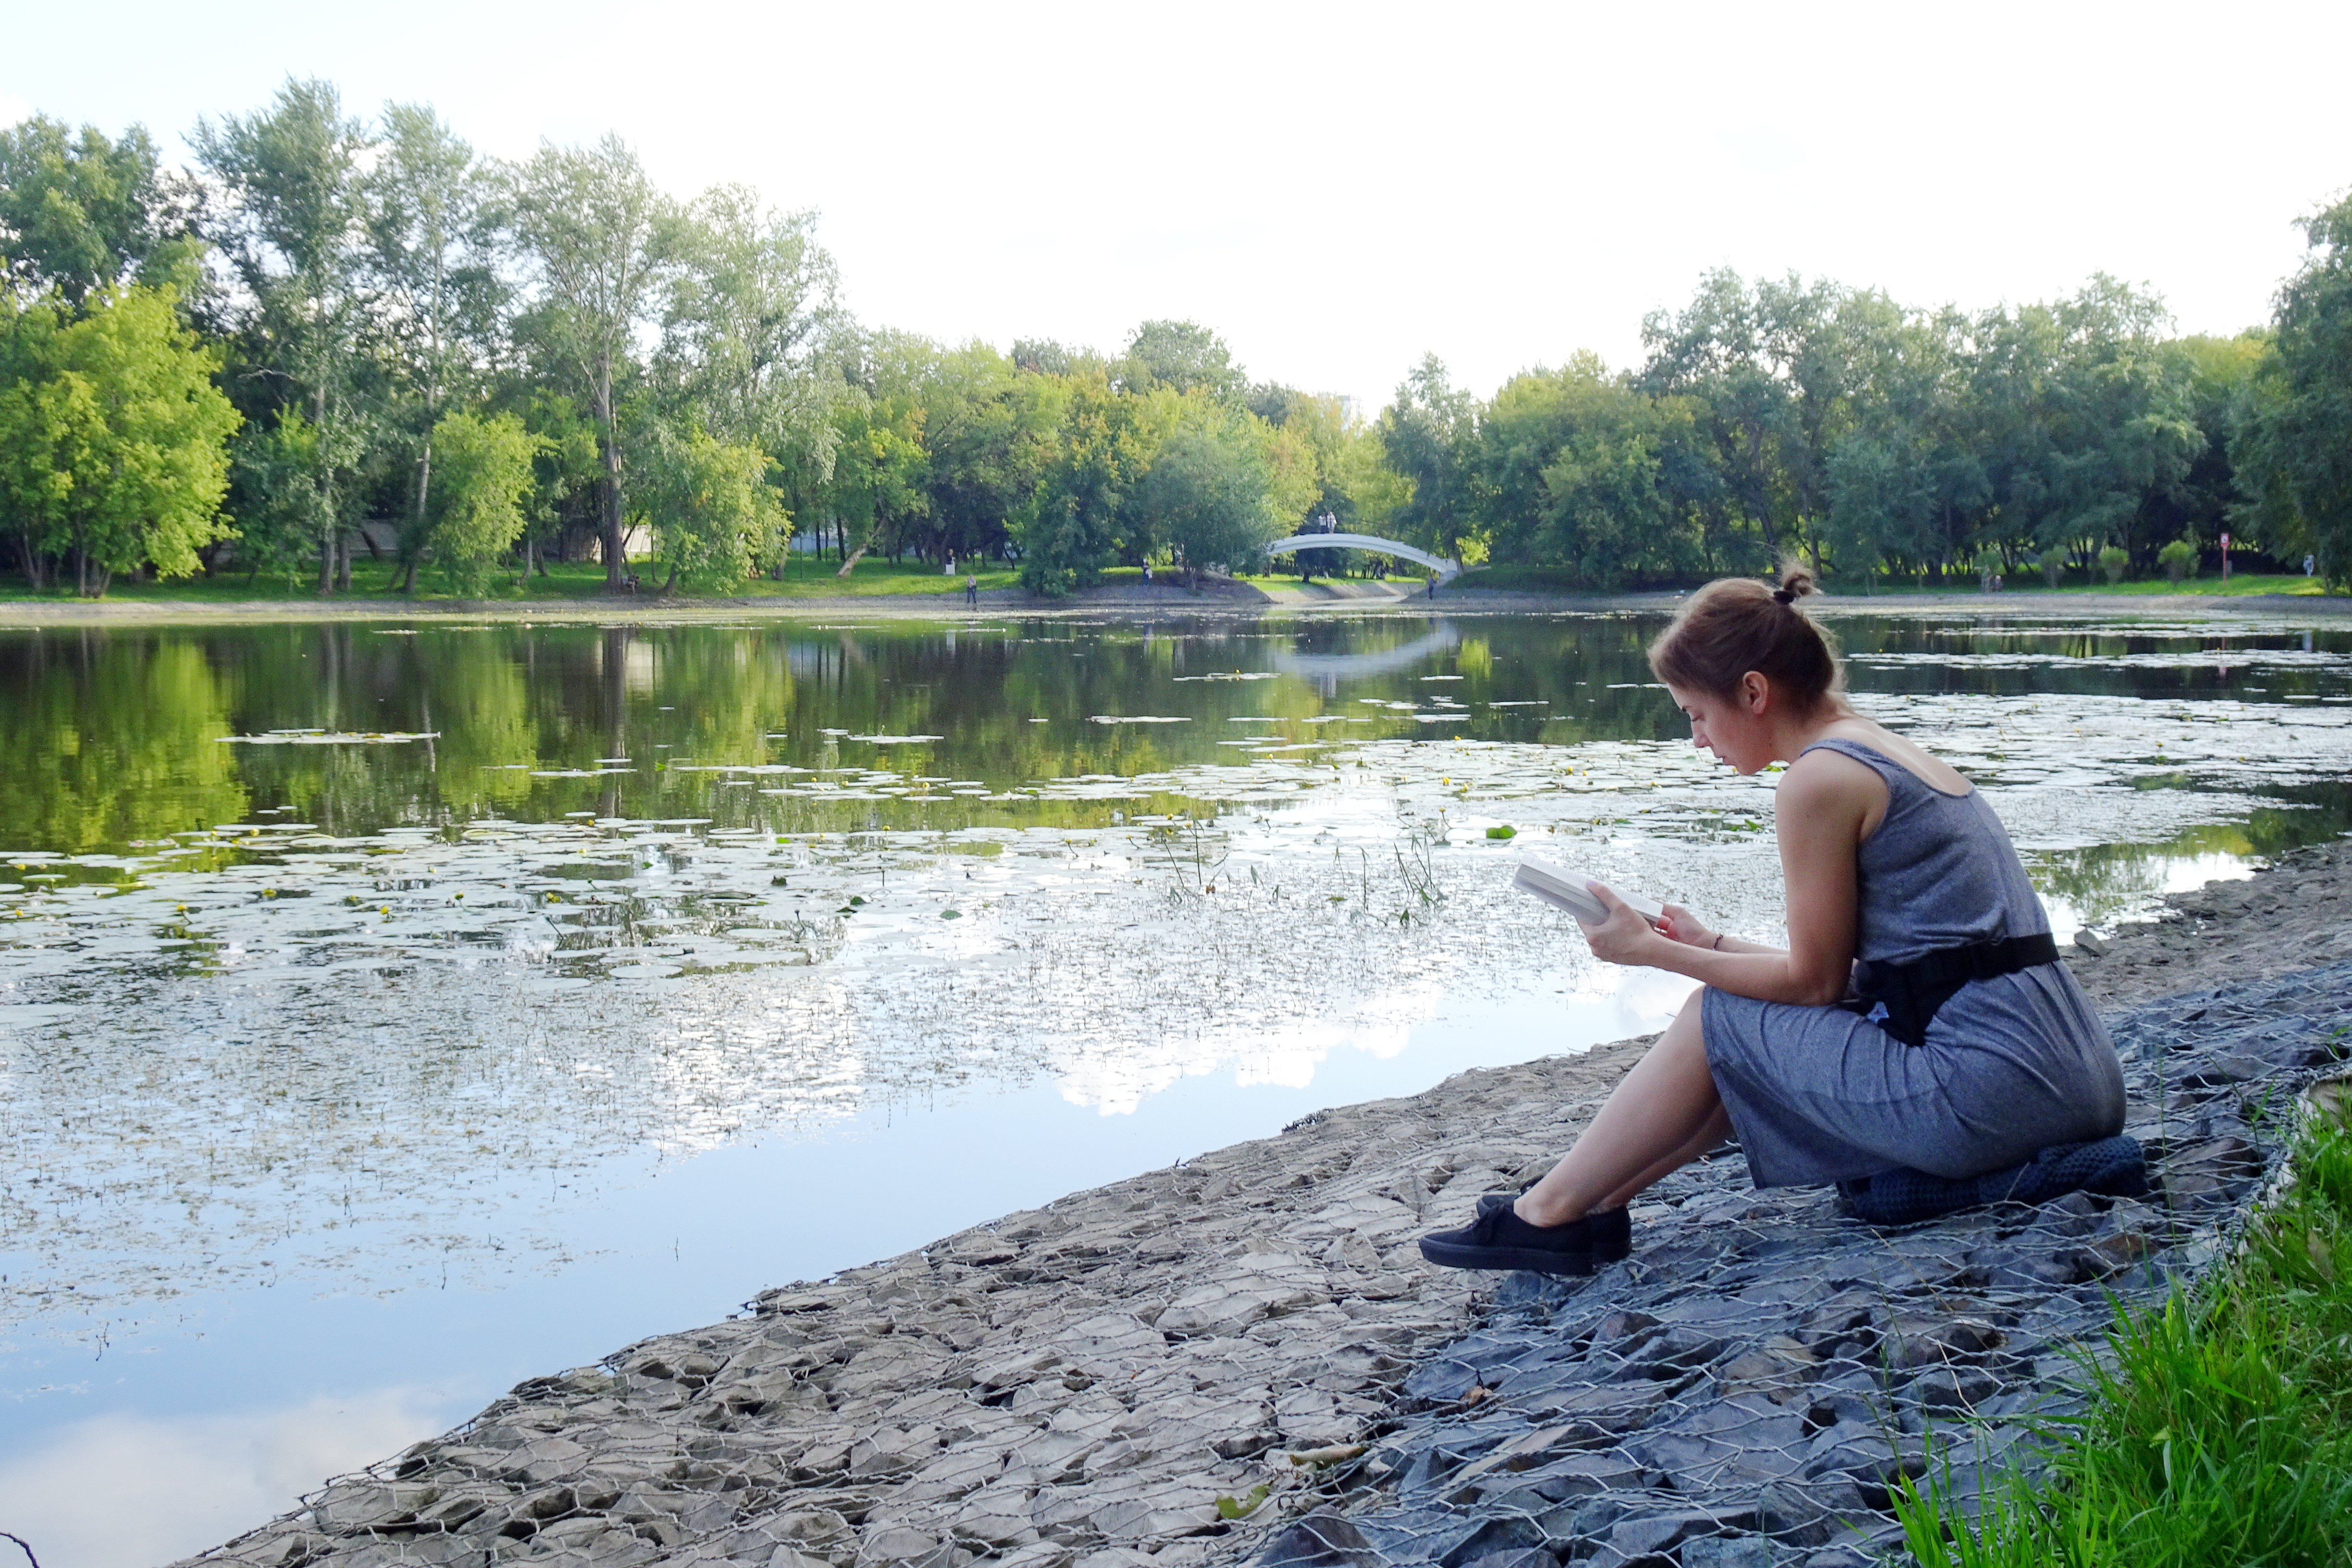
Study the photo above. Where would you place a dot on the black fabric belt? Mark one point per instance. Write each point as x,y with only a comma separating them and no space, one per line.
1911,993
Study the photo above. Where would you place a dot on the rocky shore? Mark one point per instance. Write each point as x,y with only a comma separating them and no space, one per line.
1246,1358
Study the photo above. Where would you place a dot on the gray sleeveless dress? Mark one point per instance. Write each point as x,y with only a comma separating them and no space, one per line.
2010,1065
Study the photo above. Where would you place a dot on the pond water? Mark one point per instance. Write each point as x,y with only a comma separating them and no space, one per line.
391,1012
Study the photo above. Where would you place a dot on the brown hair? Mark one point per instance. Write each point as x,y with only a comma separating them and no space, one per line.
1736,624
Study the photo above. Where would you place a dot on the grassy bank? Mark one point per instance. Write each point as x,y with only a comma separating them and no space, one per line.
1561,580
582,585
568,583
563,583
2221,1426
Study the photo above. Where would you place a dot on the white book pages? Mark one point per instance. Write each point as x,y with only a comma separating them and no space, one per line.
1566,889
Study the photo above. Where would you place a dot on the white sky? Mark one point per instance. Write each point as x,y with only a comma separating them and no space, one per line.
1337,188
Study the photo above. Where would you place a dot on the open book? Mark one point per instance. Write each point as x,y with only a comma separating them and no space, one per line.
1565,890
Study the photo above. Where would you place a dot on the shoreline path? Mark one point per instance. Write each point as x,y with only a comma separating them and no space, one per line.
1244,1357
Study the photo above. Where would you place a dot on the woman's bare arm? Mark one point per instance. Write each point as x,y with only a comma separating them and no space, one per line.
1684,926
1824,804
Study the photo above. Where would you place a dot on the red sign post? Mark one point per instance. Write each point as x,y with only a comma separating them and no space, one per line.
2225,558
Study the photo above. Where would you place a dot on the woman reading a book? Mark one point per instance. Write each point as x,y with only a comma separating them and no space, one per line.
1918,1043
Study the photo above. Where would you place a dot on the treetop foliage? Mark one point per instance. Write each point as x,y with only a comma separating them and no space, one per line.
80,212
345,331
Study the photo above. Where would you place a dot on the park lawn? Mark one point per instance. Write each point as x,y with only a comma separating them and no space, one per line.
2240,582
565,581
2239,585
1561,580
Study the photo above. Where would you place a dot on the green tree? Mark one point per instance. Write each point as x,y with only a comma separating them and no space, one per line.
710,503
2219,373
1356,470
436,311
750,324
1906,488
878,480
272,461
1810,335
1209,496
113,437
989,432
1715,350
1182,356
2082,414
1578,469
598,239
1294,470
291,226
2294,444
79,212
1773,366
1318,426
1426,435
565,463
480,505
1043,356
1071,524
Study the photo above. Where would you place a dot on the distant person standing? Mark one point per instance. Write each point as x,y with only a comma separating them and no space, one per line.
972,591
1147,574
1432,585
2307,564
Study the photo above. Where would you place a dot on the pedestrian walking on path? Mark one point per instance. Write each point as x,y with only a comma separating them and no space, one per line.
972,592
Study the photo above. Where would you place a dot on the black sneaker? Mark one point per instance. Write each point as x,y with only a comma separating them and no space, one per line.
1612,1229
1499,1238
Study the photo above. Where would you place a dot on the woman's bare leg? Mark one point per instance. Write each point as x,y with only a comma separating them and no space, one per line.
1661,1115
1718,1127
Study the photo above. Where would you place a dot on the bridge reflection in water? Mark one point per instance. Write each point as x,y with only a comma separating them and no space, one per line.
1327,667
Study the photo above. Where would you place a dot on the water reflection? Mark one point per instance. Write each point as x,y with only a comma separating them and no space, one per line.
359,958
1326,667
202,1478
105,744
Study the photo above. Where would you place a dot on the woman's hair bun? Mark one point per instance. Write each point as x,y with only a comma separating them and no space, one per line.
1741,624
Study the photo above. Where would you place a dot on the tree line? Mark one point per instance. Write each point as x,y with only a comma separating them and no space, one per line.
1782,416
332,322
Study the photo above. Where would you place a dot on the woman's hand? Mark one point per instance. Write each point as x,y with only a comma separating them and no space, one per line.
1682,926
1624,937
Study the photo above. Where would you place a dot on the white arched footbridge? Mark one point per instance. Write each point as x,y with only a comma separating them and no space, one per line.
1446,570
